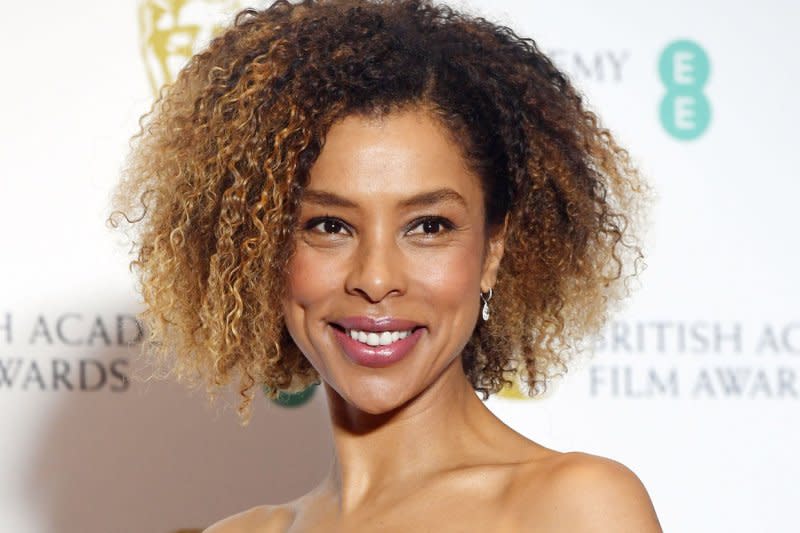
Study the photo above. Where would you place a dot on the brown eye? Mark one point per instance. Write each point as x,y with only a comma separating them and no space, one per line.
326,225
331,226
432,226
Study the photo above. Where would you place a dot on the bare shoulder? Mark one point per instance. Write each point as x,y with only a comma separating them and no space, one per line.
259,519
583,493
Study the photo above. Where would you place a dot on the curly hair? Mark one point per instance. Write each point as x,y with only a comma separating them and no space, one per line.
220,161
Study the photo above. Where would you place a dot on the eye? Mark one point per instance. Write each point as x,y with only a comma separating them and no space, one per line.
432,226
326,225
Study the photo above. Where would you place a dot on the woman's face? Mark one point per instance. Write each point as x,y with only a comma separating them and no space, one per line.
390,249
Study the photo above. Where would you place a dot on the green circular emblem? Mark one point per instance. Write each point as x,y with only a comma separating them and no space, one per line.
684,115
293,399
685,111
683,64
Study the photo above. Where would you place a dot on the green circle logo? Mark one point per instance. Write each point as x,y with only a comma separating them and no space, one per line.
293,399
685,111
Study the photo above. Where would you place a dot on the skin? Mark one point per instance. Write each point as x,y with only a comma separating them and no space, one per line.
415,448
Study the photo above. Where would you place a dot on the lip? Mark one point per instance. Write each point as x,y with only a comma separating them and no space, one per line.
377,325
377,356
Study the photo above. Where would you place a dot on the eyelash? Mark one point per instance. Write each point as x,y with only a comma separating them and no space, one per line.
443,222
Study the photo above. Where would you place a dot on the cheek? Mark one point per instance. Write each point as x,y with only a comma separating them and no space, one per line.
310,280
451,278
311,283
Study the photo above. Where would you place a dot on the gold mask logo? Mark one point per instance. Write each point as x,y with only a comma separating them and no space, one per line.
516,391
171,31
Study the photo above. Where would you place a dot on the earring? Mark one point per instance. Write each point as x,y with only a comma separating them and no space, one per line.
485,312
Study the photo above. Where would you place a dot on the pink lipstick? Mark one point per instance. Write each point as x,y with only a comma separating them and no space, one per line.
385,330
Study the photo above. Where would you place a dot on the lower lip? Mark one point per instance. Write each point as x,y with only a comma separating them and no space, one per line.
376,356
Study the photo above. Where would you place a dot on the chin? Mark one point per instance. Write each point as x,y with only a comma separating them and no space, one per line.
375,398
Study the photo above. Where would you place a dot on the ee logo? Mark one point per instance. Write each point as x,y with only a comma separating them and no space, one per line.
685,111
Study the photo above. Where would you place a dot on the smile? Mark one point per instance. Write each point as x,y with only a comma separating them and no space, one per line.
376,349
382,338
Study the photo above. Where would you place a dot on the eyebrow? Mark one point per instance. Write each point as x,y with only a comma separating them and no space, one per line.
424,199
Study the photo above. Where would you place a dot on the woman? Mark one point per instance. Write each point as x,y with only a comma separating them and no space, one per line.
335,192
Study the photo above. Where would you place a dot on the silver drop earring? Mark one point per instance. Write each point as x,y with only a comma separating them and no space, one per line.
485,312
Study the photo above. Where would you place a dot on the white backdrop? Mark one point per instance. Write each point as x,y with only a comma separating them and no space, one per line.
696,384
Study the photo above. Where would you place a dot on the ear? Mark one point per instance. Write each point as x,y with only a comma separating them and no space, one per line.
496,248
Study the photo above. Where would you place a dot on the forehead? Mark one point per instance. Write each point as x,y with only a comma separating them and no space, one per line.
398,154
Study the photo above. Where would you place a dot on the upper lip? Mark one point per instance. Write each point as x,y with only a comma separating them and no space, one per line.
365,323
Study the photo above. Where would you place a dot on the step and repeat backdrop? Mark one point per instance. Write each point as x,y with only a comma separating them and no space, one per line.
695,384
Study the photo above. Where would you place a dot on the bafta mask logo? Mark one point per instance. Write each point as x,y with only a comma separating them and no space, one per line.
519,390
171,31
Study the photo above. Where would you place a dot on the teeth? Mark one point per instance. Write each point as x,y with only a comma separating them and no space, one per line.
374,338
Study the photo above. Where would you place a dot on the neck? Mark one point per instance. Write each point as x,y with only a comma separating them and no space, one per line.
440,429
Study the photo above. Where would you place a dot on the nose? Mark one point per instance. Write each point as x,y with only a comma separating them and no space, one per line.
377,269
